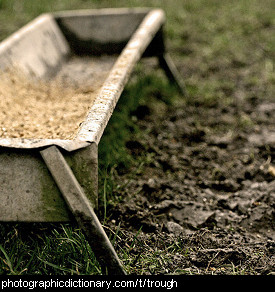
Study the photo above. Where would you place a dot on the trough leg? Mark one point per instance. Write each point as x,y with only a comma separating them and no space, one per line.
171,71
82,210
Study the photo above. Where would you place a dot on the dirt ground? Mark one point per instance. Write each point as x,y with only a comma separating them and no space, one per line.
206,199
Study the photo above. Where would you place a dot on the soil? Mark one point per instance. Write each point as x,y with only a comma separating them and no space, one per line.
204,204
51,109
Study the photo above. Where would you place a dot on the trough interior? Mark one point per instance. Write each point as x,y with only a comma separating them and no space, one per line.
53,108
54,68
105,32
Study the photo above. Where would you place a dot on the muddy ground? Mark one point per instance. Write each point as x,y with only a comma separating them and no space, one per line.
206,198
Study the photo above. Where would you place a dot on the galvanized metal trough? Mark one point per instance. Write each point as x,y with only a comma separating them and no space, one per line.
55,180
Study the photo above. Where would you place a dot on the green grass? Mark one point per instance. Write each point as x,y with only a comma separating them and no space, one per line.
45,249
220,47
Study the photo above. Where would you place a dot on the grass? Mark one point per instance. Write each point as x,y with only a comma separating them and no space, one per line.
211,43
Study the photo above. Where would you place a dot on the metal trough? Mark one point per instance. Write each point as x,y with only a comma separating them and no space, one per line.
54,180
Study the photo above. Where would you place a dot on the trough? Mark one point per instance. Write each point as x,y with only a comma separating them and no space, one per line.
70,58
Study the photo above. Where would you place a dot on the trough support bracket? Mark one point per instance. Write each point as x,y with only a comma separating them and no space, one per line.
157,48
167,64
82,210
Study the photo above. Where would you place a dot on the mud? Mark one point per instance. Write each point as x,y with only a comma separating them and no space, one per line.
209,188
